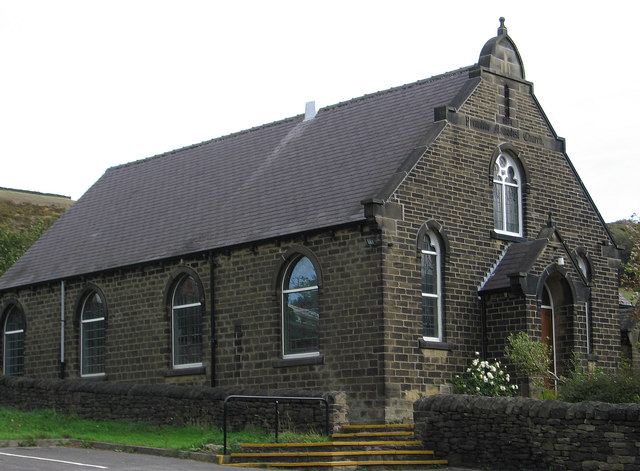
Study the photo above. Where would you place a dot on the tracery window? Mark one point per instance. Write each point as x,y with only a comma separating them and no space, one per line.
93,335
507,196
431,288
13,342
187,324
300,314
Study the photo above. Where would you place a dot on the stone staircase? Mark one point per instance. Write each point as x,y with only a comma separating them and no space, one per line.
377,446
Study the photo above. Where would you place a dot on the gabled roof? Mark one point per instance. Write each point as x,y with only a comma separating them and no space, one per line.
517,261
282,178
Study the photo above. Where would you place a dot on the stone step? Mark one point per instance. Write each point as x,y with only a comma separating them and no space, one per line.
378,446
314,464
332,445
342,455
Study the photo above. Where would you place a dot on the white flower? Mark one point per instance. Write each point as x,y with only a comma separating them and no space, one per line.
475,362
489,375
493,368
486,380
477,353
502,388
477,388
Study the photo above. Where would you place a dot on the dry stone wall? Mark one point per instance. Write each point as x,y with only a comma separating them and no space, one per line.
528,434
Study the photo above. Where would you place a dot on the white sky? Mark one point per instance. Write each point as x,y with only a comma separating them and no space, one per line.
89,84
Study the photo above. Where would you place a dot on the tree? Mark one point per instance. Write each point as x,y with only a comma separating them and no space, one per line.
13,243
630,269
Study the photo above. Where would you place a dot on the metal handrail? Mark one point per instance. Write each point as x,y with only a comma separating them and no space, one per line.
276,400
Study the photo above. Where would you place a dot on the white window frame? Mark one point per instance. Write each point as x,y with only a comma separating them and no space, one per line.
511,162
83,322
11,332
433,239
175,307
290,266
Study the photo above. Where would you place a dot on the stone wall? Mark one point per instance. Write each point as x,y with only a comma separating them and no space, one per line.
529,434
164,404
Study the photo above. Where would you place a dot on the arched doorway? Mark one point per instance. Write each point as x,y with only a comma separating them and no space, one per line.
547,317
557,324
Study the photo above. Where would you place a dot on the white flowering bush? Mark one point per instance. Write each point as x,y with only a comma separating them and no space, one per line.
484,378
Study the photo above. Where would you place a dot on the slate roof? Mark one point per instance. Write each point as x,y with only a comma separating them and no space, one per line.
517,259
281,178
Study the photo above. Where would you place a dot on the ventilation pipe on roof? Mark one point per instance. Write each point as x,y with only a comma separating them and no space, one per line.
62,322
309,110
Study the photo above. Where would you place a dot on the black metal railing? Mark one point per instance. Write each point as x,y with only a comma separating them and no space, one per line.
276,400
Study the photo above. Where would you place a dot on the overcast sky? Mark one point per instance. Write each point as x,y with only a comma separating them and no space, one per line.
86,85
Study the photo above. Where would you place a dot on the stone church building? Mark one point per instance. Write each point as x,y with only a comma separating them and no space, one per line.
370,247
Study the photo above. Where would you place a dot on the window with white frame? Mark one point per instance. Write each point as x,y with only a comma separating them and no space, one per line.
300,314
431,288
187,324
585,268
93,335
13,353
507,196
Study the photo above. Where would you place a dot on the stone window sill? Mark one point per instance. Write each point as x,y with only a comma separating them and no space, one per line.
94,378
196,370
435,345
509,237
285,362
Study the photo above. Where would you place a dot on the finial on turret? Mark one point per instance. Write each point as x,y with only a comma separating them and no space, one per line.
502,29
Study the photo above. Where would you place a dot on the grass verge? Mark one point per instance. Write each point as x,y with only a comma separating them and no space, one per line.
48,424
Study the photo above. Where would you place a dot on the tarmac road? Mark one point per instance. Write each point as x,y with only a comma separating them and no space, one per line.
62,458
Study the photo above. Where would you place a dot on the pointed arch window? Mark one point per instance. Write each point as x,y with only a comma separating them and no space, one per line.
13,342
300,314
93,335
431,288
186,323
507,196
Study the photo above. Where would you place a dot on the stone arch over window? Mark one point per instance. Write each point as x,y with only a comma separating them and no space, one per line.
184,297
91,319
508,178
585,267
13,335
299,281
432,244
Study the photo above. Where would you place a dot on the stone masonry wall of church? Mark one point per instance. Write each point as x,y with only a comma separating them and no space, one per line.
247,320
451,184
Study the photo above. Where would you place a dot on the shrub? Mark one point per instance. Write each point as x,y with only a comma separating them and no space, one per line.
620,388
484,378
530,357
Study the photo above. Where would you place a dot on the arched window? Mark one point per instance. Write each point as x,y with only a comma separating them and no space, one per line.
300,315
186,323
507,196
13,353
585,268
93,335
431,288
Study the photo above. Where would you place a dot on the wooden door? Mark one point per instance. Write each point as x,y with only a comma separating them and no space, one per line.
548,338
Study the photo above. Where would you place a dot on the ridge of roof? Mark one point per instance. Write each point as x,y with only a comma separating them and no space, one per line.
207,141
405,86
340,104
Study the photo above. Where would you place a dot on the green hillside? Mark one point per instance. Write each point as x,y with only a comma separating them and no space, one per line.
20,209
24,216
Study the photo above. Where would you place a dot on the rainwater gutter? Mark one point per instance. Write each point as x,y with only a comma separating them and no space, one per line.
212,335
62,324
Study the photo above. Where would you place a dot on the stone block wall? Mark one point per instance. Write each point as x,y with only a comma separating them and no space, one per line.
530,435
248,320
164,404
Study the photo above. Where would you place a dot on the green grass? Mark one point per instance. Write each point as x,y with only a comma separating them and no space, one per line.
31,426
